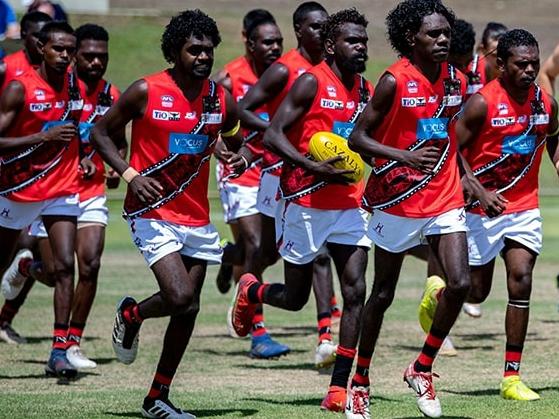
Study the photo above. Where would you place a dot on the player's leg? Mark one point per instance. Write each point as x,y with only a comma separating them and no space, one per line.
323,289
232,261
519,262
61,232
90,242
190,276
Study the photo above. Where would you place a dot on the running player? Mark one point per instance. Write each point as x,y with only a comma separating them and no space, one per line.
263,46
92,57
502,134
270,90
15,284
38,114
177,116
329,97
414,188
549,72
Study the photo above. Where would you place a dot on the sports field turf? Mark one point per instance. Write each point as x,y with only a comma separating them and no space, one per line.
217,379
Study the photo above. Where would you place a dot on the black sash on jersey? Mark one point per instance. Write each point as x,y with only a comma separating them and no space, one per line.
295,181
176,171
504,172
23,168
394,182
104,100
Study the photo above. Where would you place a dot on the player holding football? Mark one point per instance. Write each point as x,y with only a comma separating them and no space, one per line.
263,46
328,97
502,135
415,188
177,116
270,91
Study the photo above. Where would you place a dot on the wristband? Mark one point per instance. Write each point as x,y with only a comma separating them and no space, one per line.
244,160
129,174
232,131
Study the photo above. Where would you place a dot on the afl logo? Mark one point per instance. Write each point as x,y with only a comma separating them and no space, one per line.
167,101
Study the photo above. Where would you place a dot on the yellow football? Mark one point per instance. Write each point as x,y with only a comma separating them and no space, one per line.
324,145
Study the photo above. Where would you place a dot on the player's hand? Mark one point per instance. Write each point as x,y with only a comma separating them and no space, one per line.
64,132
112,179
236,162
492,203
87,168
468,191
328,172
423,158
220,151
146,189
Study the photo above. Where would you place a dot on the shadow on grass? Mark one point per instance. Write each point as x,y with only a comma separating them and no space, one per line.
104,361
244,353
494,391
300,366
33,340
306,402
446,417
199,413
63,381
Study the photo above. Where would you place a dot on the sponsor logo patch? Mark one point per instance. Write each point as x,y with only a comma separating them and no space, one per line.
211,118
432,128
412,86
519,144
166,115
331,104
452,100
503,108
413,102
503,122
331,90
40,107
540,119
167,101
343,129
187,143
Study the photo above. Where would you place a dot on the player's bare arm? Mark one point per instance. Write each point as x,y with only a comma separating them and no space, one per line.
549,72
270,84
361,141
3,69
131,105
293,108
222,78
552,139
468,128
11,102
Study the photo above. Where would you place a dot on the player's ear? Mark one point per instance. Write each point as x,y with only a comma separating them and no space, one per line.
251,44
297,28
329,46
501,64
410,38
244,36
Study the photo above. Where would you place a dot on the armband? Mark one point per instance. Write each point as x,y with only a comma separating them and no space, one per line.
232,131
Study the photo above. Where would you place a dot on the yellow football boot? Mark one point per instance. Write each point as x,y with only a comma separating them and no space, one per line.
428,304
514,389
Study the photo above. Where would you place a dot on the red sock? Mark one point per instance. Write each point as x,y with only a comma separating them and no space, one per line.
324,326
160,384
430,349
361,376
75,333
131,314
7,313
334,309
513,356
59,336
258,327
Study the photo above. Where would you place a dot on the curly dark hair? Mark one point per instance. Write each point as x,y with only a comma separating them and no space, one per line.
184,25
91,31
407,17
514,38
331,29
463,38
52,27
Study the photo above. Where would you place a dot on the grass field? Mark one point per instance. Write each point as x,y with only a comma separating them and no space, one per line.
216,378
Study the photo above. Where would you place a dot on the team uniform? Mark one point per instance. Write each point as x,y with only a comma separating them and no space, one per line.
506,158
476,76
92,198
310,217
271,164
16,65
407,204
41,179
239,193
172,143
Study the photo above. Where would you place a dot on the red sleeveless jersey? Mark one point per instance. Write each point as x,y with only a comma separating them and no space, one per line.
507,153
242,79
95,105
475,74
16,64
44,107
420,115
334,109
173,128
296,65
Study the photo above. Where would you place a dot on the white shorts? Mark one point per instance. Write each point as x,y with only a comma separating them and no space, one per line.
304,232
486,236
18,215
397,234
92,211
156,239
267,202
238,201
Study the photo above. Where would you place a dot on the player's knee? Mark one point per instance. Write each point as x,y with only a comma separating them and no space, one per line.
520,284
179,301
63,267
382,300
459,286
477,295
89,269
297,304
354,293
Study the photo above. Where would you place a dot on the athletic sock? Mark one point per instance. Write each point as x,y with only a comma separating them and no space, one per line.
324,326
361,376
513,356
334,308
160,384
8,312
59,336
258,326
433,342
131,315
342,367
75,333
256,292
